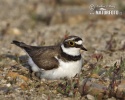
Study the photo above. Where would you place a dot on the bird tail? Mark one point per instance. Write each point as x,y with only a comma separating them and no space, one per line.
20,44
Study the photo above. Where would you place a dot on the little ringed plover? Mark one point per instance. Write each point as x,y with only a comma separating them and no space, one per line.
55,62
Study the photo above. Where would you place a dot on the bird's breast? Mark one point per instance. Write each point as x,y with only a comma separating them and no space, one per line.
69,69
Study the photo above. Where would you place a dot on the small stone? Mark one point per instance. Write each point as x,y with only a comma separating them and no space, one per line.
15,75
23,86
111,98
23,78
90,97
14,31
95,76
8,85
12,74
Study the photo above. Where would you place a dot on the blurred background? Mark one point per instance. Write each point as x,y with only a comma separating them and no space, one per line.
47,22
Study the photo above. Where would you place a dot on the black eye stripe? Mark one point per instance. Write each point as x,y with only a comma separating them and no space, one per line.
66,45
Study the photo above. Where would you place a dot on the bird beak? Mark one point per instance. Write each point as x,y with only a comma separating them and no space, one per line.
83,48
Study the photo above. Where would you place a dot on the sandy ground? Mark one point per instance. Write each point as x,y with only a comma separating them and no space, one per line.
33,22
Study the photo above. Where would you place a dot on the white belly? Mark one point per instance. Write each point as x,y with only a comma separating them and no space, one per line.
65,69
34,67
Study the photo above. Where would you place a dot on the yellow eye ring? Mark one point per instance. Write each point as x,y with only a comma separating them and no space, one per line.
71,43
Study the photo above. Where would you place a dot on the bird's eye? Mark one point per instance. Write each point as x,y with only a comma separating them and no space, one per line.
71,43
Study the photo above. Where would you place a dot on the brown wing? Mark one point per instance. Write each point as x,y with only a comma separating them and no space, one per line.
44,57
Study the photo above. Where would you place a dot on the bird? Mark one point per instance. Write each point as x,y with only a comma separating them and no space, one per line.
57,61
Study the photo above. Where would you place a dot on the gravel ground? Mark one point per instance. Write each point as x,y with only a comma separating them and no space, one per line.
41,23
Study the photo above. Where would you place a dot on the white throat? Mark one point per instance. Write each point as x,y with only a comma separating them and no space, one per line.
71,51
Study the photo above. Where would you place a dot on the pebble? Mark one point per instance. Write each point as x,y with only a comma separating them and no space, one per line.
90,97
8,85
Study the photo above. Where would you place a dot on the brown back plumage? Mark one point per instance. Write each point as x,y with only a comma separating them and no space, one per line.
44,57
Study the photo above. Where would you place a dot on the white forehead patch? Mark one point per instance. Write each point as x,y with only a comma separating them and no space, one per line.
69,39
79,42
